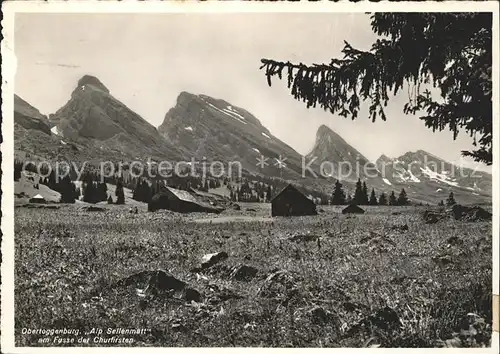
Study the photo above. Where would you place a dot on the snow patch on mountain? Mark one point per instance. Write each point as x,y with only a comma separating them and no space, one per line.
401,177
413,178
267,136
189,128
55,131
474,188
441,177
386,181
234,114
232,109
256,150
229,113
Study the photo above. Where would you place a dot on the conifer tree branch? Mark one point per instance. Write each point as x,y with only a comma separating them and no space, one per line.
450,52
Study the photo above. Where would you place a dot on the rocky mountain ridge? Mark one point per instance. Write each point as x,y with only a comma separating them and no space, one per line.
92,116
95,124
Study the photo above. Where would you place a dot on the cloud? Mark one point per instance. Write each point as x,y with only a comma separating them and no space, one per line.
58,64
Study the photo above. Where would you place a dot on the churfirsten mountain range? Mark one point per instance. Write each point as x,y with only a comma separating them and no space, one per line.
93,125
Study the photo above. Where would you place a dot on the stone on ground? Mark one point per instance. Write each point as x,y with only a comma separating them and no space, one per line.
474,213
211,259
154,279
191,294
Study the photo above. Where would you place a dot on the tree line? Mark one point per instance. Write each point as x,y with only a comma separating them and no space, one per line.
362,197
93,188
245,193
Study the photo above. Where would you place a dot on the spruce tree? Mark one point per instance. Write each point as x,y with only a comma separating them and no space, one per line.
451,200
269,193
392,199
102,192
147,195
365,200
67,190
89,192
136,192
52,183
358,193
373,198
403,198
382,199
120,196
338,195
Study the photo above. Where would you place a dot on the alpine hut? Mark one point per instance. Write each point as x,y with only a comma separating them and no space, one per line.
291,202
352,209
180,201
38,199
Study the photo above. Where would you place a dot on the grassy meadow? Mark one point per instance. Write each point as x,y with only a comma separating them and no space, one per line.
384,278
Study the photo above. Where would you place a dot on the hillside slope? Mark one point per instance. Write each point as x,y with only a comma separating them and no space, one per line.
202,126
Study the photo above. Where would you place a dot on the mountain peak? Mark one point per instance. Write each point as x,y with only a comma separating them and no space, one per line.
324,129
331,147
185,97
384,158
92,81
327,137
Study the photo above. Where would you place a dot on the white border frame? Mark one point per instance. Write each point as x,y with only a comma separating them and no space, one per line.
10,8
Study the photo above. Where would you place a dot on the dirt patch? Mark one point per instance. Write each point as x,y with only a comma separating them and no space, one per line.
400,228
244,273
304,238
94,208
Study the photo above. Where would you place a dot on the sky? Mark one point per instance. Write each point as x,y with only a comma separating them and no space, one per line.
146,60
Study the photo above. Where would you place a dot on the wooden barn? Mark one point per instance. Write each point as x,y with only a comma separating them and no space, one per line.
291,202
180,201
211,198
352,209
